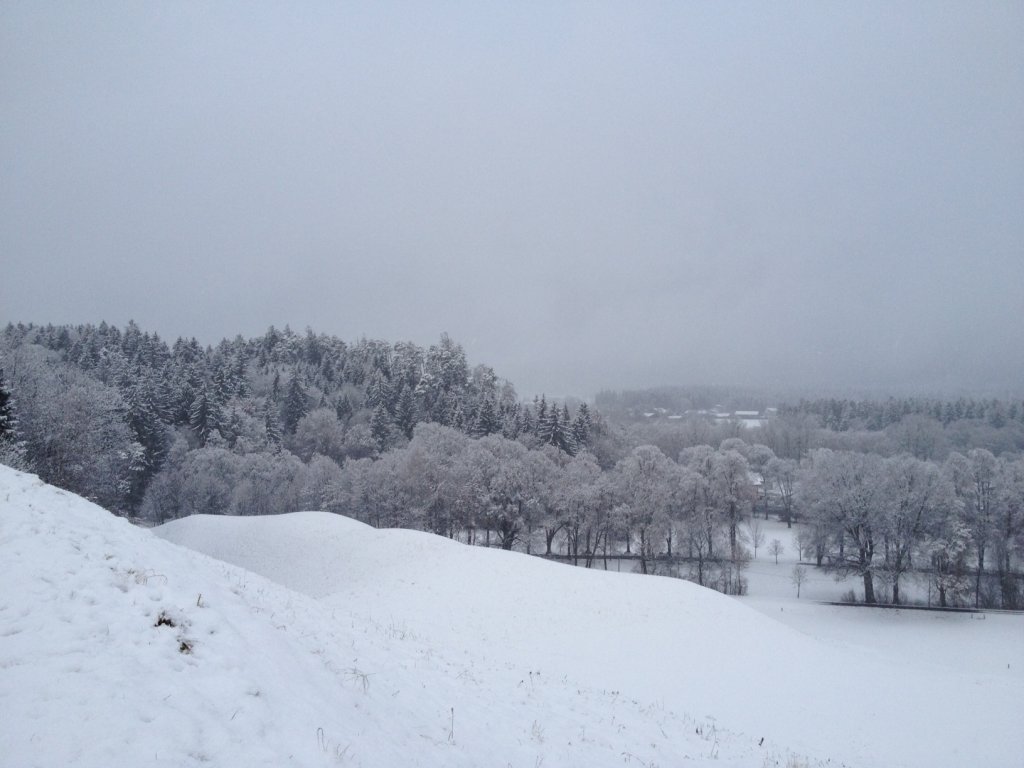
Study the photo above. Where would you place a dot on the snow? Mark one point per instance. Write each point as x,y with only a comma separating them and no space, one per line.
310,639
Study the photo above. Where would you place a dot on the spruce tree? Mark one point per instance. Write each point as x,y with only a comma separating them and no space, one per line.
205,416
295,404
540,411
405,412
582,426
555,430
486,421
380,427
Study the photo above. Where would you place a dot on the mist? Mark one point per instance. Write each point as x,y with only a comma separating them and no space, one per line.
589,196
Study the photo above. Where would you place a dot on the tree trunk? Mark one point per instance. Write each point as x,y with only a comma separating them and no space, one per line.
977,578
732,530
869,588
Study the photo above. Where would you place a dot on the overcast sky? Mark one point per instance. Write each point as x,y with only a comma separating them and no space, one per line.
586,196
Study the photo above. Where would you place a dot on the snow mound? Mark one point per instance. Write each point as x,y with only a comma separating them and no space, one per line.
689,649
314,640
118,648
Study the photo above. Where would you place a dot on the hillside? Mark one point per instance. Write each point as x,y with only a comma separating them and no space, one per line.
324,642
688,649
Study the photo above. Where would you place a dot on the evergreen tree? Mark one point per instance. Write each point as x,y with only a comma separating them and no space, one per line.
380,427
582,426
511,421
343,408
379,391
146,418
205,415
405,412
296,404
486,421
272,424
540,413
7,422
554,429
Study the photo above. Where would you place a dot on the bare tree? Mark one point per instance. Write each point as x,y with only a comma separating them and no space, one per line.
798,577
776,548
755,534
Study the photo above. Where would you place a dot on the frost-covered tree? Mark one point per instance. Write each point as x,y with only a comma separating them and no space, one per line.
973,478
296,404
319,432
12,450
1009,524
433,455
486,422
272,426
733,491
917,497
206,416
7,422
580,503
948,548
506,487
782,476
553,428
644,480
73,427
582,426
406,412
844,493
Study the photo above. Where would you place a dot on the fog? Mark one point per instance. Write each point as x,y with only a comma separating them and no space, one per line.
587,196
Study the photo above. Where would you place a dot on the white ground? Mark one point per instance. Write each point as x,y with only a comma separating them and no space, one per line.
392,648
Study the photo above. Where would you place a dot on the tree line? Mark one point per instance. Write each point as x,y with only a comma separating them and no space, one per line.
398,435
100,410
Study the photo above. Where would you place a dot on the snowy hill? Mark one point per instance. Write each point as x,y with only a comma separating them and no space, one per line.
321,641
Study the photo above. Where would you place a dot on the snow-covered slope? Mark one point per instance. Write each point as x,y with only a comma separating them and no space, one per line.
120,649
655,640
395,648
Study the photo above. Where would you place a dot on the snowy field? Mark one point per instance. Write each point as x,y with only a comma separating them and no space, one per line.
310,639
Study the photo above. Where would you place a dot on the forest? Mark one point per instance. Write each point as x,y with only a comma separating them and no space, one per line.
397,435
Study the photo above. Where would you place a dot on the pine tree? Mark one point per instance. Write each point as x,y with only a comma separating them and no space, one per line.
405,412
380,427
540,413
295,404
582,426
146,417
486,421
511,421
205,415
555,430
379,391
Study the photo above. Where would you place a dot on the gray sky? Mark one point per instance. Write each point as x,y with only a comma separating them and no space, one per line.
586,195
